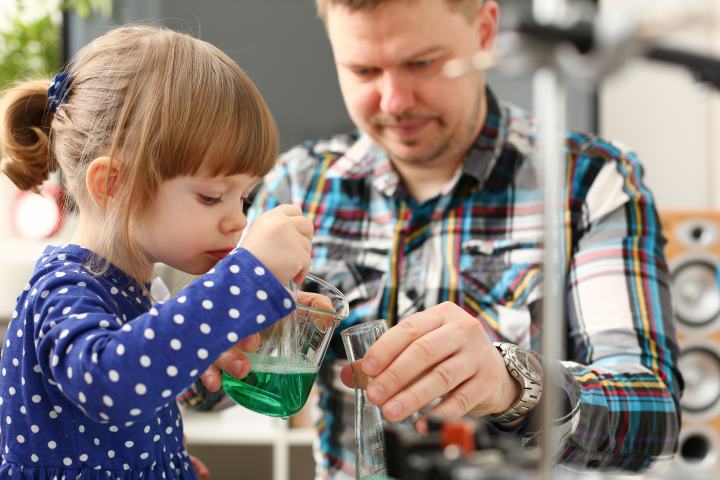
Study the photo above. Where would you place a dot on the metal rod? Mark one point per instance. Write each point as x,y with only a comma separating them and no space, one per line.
549,105
549,110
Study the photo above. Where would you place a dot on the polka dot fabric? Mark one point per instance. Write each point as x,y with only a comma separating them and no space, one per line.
90,369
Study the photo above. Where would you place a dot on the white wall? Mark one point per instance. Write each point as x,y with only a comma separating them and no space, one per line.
671,121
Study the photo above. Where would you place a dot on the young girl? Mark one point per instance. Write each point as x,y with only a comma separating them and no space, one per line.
160,137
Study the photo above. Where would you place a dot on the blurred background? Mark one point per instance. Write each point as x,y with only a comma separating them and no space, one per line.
670,120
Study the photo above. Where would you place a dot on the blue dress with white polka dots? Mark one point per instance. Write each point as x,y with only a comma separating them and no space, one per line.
90,368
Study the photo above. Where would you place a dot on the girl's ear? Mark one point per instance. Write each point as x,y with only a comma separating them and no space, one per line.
102,179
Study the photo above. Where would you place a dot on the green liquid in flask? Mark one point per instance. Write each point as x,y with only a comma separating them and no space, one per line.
275,390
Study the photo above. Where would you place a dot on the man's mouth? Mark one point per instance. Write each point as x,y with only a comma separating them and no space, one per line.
404,130
220,254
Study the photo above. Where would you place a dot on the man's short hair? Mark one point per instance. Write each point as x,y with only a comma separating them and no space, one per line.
466,7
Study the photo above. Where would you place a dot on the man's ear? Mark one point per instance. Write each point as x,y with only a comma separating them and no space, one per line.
488,23
102,179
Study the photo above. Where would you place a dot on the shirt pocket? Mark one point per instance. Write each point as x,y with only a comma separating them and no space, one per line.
504,271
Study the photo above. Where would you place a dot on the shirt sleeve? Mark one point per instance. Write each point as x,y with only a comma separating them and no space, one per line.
621,391
122,371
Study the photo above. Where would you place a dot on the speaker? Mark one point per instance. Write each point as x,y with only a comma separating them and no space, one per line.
693,254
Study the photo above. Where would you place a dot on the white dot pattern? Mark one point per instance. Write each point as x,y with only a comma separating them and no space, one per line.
96,335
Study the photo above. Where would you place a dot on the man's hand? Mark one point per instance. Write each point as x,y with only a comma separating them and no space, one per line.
233,361
441,352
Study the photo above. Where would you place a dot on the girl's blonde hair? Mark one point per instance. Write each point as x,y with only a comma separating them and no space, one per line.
155,100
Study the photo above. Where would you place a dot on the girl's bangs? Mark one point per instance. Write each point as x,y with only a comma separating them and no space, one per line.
219,123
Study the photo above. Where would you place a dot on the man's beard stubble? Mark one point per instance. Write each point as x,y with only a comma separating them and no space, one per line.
447,145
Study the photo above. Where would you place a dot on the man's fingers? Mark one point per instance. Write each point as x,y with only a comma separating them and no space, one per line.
347,377
421,355
398,338
440,381
459,401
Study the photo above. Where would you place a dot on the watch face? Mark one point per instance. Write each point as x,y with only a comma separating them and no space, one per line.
527,364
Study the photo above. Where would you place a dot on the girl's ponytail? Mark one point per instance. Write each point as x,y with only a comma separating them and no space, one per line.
24,135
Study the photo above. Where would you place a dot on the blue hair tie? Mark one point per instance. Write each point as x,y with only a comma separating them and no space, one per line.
57,93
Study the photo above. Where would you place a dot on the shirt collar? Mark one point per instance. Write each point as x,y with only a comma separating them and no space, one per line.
488,146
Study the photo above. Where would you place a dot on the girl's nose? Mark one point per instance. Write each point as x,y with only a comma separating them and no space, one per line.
234,221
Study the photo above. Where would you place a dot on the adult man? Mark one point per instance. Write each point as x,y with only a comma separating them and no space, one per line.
430,217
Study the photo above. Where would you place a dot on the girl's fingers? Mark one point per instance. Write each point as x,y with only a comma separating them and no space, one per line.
200,468
212,379
249,344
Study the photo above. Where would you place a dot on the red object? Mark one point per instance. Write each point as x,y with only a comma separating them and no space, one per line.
34,217
460,433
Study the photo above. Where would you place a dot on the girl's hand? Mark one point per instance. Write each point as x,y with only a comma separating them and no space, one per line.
282,240
200,468
233,361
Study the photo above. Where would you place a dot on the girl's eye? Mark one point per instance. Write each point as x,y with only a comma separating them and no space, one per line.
209,200
246,201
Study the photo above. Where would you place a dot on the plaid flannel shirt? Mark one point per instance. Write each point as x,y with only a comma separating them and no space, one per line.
478,244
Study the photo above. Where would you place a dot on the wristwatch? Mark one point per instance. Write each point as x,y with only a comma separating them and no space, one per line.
527,370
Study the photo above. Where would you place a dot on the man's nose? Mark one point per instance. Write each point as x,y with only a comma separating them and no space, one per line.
396,94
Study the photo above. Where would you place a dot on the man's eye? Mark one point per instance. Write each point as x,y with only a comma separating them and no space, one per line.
365,72
422,63
209,200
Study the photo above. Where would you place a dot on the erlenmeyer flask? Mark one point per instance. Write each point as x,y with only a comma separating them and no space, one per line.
370,460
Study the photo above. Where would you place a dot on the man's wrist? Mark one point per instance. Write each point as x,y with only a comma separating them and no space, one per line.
512,392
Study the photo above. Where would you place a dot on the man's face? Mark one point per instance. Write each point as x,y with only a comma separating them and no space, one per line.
390,61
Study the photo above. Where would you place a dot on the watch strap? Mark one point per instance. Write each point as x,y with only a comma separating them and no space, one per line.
531,387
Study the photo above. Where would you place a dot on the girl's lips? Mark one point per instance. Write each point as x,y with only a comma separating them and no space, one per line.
220,254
